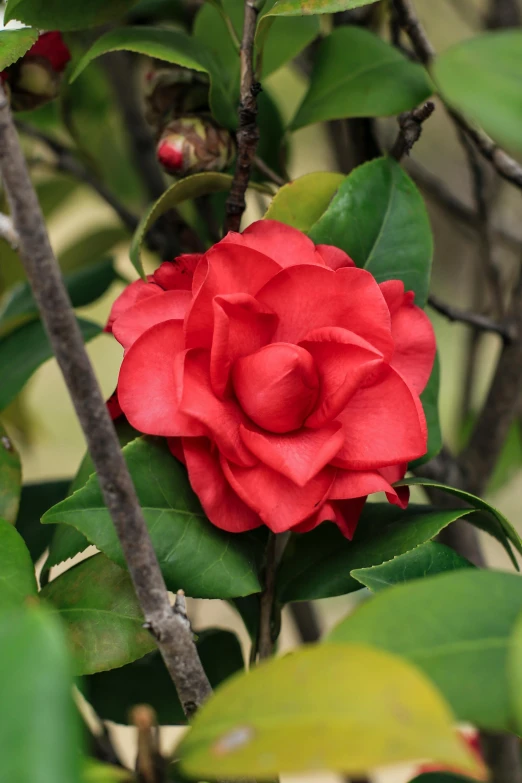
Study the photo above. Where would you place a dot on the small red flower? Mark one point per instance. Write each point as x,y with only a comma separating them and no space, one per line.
285,377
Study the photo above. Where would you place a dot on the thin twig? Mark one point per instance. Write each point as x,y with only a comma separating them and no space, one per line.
266,644
150,764
248,132
67,163
477,321
8,231
171,631
410,124
269,173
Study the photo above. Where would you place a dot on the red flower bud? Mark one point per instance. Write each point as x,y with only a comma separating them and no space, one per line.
36,78
193,144
52,48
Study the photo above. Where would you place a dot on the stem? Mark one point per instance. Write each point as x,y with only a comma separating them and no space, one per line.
171,629
248,132
410,124
480,322
265,644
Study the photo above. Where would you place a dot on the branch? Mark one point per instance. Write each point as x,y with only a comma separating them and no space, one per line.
477,321
150,764
171,631
410,124
248,132
269,173
266,645
67,163
8,231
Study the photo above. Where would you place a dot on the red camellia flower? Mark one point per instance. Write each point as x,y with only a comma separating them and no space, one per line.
285,378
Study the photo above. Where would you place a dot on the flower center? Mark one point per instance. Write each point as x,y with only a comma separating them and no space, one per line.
277,386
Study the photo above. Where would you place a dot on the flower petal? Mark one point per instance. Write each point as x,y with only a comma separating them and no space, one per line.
167,306
384,425
286,245
134,293
177,275
351,484
280,503
241,327
149,383
311,297
334,257
220,417
221,504
297,455
225,269
343,361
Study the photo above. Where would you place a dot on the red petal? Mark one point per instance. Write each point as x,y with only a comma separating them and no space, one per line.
334,257
149,383
343,361
286,245
276,386
113,406
167,306
178,274
230,269
345,514
351,484
298,455
220,417
241,327
134,293
311,297
52,48
220,503
280,503
383,424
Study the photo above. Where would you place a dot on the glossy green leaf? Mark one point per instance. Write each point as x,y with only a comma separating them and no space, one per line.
24,350
17,578
514,667
302,202
379,218
306,7
430,404
10,476
14,44
39,736
83,285
96,772
266,722
146,681
425,560
505,526
97,603
456,628
319,564
194,555
65,15
35,500
184,190
481,78
357,74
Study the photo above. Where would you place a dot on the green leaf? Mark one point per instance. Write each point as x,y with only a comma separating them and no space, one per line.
97,603
64,15
10,476
279,718
302,202
172,46
35,500
194,555
95,243
379,218
426,560
305,7
481,78
40,737
456,628
514,666
14,44
96,772
503,525
24,350
17,578
83,285
357,74
147,681
319,564
183,190
430,404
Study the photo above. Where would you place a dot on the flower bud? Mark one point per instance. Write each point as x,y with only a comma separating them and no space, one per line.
173,92
36,78
190,145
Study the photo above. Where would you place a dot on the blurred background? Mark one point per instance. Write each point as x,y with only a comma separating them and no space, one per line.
83,229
